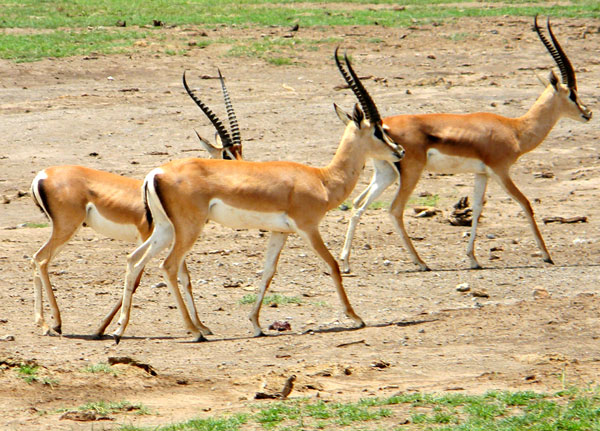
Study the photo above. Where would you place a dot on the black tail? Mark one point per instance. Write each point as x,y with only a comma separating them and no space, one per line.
149,218
43,205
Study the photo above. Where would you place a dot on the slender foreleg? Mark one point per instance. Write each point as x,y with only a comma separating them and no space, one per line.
409,177
478,202
276,243
385,174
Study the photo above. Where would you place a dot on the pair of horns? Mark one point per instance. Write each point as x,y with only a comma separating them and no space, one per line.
559,56
359,90
227,139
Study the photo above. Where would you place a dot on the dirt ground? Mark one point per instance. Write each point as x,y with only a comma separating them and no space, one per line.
533,326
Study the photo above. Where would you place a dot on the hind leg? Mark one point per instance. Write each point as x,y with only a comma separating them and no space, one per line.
160,239
62,232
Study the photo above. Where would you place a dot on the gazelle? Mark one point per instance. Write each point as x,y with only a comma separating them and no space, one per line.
482,143
75,196
281,197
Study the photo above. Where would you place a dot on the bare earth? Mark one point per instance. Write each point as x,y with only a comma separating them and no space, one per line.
536,330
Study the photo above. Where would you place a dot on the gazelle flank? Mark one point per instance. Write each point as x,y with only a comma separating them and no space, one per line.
76,196
281,197
485,144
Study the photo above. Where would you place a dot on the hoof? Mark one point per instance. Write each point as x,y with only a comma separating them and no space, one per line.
117,338
425,268
58,329
259,334
549,260
476,266
360,325
97,336
200,339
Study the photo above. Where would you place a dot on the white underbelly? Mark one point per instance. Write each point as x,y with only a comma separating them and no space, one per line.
104,226
447,164
237,218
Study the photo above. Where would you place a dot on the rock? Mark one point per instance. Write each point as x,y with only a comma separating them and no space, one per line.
541,293
463,287
480,293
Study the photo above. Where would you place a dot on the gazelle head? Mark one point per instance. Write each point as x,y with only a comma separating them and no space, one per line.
229,146
366,123
567,90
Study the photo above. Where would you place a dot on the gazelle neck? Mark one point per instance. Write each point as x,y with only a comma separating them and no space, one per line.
341,174
535,125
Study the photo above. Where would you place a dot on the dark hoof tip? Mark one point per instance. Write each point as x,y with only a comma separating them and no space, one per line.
97,336
200,339
549,260
426,269
117,338
260,334
58,330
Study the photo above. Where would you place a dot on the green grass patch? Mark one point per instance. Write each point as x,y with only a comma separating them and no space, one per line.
61,28
575,410
34,225
105,408
425,201
31,47
100,368
29,373
276,299
83,13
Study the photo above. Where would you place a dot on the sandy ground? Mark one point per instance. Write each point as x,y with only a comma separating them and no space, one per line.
534,328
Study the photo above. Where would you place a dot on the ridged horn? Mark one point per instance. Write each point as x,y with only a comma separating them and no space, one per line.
359,90
558,54
221,130
233,124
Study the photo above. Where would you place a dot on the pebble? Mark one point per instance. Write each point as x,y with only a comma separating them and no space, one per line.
463,287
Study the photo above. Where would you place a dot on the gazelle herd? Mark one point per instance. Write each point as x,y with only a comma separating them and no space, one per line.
169,208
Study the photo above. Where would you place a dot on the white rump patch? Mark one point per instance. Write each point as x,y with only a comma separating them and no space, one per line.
237,218
104,226
447,164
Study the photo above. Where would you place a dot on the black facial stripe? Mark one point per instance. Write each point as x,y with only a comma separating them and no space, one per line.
378,133
573,96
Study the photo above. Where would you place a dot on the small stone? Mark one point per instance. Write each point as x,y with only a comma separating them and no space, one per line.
480,294
463,287
387,262
541,293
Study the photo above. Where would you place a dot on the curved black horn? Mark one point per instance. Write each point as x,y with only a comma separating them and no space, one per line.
221,130
559,56
567,72
233,124
359,90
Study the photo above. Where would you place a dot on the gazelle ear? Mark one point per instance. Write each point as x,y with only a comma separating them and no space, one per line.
342,114
214,152
358,116
553,79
